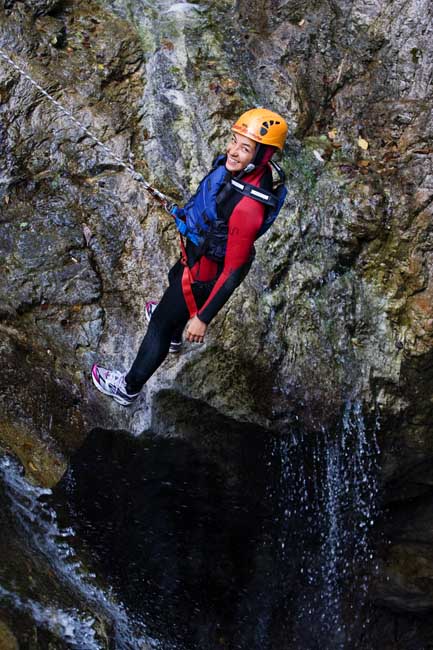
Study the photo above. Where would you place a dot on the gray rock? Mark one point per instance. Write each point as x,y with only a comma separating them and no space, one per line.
36,7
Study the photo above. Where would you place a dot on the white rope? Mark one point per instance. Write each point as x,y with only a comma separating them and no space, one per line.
128,166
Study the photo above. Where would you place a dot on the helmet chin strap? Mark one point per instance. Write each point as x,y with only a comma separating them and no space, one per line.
249,168
260,155
252,165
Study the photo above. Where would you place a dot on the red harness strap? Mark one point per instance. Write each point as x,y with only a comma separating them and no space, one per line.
187,281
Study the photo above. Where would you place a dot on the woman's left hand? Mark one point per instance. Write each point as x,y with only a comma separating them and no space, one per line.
196,330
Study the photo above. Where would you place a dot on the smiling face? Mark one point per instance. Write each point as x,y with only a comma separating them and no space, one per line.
240,152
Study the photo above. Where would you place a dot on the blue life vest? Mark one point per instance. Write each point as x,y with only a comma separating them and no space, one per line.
199,220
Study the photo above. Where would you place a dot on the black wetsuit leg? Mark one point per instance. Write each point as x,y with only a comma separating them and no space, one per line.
167,324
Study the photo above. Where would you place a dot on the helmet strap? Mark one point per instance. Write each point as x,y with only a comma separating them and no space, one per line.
259,155
249,168
255,161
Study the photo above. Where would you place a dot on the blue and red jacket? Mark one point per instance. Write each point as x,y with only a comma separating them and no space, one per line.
222,225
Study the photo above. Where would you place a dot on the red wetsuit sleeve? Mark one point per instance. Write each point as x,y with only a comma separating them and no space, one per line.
243,226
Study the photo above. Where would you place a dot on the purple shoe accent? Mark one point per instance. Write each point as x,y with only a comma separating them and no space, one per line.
112,383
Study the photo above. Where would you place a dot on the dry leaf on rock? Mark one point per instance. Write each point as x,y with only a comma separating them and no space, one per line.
87,233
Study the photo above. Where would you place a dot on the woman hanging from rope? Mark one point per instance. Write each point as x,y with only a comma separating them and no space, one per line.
233,206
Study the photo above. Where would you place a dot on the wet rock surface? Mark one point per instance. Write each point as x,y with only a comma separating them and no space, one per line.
339,300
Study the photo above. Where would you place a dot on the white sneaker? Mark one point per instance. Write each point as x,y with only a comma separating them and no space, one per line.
112,383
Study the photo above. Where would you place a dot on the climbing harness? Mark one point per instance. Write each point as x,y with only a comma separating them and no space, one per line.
164,200
198,219
200,222
273,200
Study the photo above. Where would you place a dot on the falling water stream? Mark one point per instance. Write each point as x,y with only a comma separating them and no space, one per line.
147,545
327,500
51,544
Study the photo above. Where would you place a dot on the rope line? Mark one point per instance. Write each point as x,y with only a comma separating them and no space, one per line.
162,198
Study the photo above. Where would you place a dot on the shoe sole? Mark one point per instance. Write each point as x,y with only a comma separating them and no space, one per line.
102,390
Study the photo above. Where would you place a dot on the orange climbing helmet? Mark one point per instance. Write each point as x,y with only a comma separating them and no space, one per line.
262,125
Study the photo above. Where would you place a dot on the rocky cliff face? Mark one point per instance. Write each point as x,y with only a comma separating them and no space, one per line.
339,301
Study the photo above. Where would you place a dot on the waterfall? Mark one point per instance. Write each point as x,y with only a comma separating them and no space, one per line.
306,587
327,504
78,625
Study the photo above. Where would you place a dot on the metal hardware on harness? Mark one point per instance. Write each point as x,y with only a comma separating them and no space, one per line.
251,190
159,196
279,170
256,193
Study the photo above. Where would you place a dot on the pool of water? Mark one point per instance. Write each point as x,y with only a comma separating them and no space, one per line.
156,542
174,537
